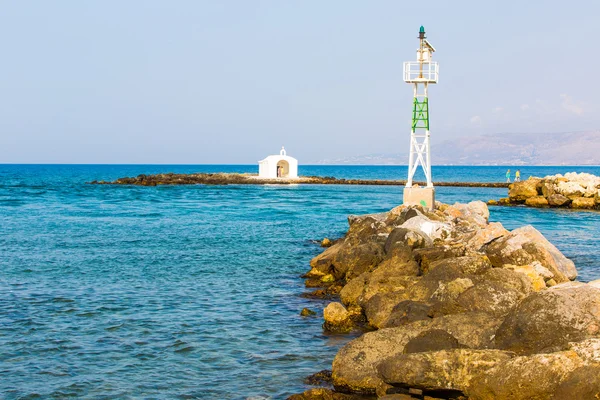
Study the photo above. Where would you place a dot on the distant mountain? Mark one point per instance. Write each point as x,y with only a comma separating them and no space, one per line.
572,148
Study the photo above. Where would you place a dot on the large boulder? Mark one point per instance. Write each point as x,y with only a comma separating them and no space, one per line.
355,365
441,370
525,245
525,378
583,203
548,320
558,200
352,260
485,235
537,201
518,192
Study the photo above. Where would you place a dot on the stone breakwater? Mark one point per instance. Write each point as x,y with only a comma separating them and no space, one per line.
459,308
572,190
248,179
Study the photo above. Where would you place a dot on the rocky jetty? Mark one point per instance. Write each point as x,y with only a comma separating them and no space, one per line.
572,190
250,179
456,307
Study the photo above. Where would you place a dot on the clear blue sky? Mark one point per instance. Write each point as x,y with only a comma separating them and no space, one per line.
223,81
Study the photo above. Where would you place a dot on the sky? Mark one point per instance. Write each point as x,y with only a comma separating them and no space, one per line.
211,82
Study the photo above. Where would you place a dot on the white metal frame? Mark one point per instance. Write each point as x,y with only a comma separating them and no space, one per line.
419,146
417,72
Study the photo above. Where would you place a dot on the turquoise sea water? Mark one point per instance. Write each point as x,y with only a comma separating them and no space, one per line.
192,291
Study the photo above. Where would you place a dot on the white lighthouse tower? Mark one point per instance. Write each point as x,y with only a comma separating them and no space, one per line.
420,74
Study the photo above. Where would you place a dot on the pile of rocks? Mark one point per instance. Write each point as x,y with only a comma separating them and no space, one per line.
573,190
461,308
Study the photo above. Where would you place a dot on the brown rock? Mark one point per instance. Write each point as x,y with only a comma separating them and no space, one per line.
582,383
548,320
441,370
548,189
407,311
537,201
307,312
558,200
326,243
518,192
525,378
354,366
428,255
432,340
457,266
492,202
352,260
487,234
337,318
583,203
505,201
525,245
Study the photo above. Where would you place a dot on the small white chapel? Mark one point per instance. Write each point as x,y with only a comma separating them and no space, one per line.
278,166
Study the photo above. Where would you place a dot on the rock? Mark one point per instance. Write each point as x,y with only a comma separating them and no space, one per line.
465,265
327,278
558,200
322,263
525,378
486,235
595,283
352,260
354,366
432,340
518,192
548,320
380,306
537,201
426,227
588,350
365,228
441,370
525,245
405,312
324,394
319,378
337,318
326,243
354,289
582,383
428,255
537,280
307,312
505,201
492,202
583,203
570,189
548,189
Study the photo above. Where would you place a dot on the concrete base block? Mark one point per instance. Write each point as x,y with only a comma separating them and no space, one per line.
418,196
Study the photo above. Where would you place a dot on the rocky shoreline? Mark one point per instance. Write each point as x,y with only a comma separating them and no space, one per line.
250,179
572,190
456,307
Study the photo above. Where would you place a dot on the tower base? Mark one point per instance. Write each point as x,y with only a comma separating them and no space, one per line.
418,196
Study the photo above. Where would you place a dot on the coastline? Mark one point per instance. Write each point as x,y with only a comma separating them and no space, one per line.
454,299
250,179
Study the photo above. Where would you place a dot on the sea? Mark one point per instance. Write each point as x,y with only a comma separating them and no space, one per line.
194,292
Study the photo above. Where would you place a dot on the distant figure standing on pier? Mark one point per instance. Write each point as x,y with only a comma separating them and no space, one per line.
518,176
508,176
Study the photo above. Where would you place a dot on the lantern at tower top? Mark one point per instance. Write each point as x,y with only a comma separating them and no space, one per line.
423,70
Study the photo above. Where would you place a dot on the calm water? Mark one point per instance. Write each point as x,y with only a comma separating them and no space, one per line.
192,292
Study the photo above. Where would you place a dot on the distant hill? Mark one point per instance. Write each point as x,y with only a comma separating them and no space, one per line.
573,148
